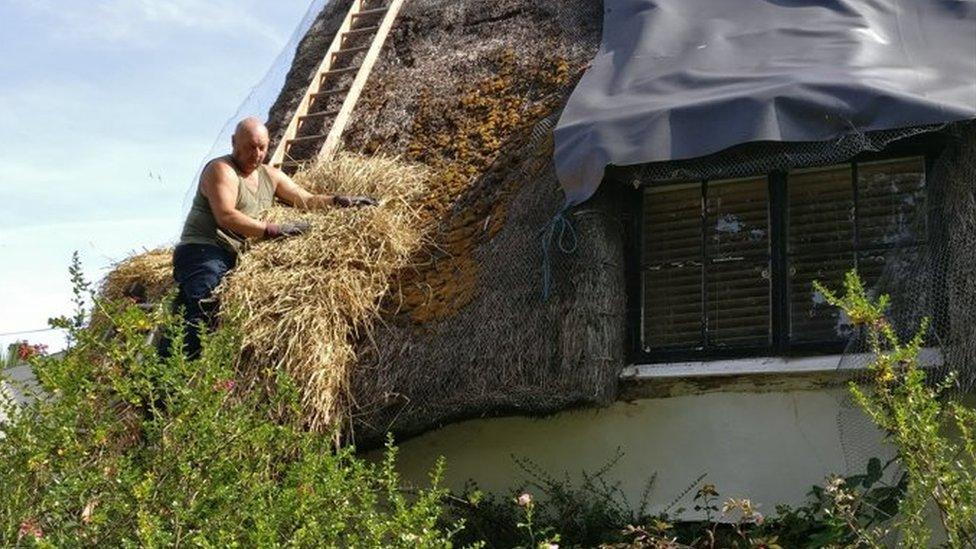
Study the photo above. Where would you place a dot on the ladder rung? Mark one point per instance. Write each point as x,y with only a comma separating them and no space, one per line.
321,114
367,13
350,50
339,71
308,138
369,19
362,30
327,93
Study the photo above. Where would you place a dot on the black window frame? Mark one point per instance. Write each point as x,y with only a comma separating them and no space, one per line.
928,146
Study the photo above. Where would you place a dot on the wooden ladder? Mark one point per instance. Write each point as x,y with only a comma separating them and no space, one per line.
337,84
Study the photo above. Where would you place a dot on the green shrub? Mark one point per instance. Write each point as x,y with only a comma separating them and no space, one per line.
124,448
592,511
910,409
544,510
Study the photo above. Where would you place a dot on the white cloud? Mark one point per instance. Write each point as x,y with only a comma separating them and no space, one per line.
137,23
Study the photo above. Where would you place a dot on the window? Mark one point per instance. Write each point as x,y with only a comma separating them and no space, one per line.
727,267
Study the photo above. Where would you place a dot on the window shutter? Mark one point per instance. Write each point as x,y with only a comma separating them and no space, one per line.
672,267
708,280
891,213
891,210
891,194
820,246
737,269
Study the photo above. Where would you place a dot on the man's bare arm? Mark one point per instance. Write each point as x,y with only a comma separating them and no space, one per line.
220,185
291,193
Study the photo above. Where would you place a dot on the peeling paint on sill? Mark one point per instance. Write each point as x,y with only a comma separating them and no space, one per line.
761,374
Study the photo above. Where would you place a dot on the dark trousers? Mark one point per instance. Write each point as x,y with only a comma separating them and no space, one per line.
198,269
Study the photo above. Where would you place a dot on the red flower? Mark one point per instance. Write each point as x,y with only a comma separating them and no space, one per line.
29,528
23,351
26,351
226,385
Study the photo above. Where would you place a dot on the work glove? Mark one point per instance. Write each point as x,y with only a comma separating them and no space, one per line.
284,230
344,201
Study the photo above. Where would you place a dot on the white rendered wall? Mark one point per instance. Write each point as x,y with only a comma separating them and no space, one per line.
770,447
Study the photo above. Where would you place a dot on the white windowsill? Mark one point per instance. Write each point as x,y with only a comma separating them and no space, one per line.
928,357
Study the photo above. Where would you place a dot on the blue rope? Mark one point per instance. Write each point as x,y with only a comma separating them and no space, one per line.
559,224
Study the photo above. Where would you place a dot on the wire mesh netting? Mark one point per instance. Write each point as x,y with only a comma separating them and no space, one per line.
930,279
934,282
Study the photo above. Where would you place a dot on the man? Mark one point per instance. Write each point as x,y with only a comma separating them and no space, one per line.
232,193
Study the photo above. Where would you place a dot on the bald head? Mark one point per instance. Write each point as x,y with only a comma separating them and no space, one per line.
250,126
250,143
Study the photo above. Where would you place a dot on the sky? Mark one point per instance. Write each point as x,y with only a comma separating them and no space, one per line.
108,108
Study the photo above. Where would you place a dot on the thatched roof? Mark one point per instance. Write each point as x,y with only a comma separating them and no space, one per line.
472,89
468,92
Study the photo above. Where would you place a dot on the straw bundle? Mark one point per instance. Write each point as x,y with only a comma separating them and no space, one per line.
303,303
147,276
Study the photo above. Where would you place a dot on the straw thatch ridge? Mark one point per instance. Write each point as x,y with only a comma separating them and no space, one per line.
303,303
144,277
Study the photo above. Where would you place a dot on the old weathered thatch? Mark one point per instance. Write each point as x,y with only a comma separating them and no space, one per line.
473,89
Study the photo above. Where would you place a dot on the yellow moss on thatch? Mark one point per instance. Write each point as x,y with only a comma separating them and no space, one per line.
478,137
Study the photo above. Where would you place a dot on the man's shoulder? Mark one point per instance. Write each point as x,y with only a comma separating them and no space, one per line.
219,168
220,162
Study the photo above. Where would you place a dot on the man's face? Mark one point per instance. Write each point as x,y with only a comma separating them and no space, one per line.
250,149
